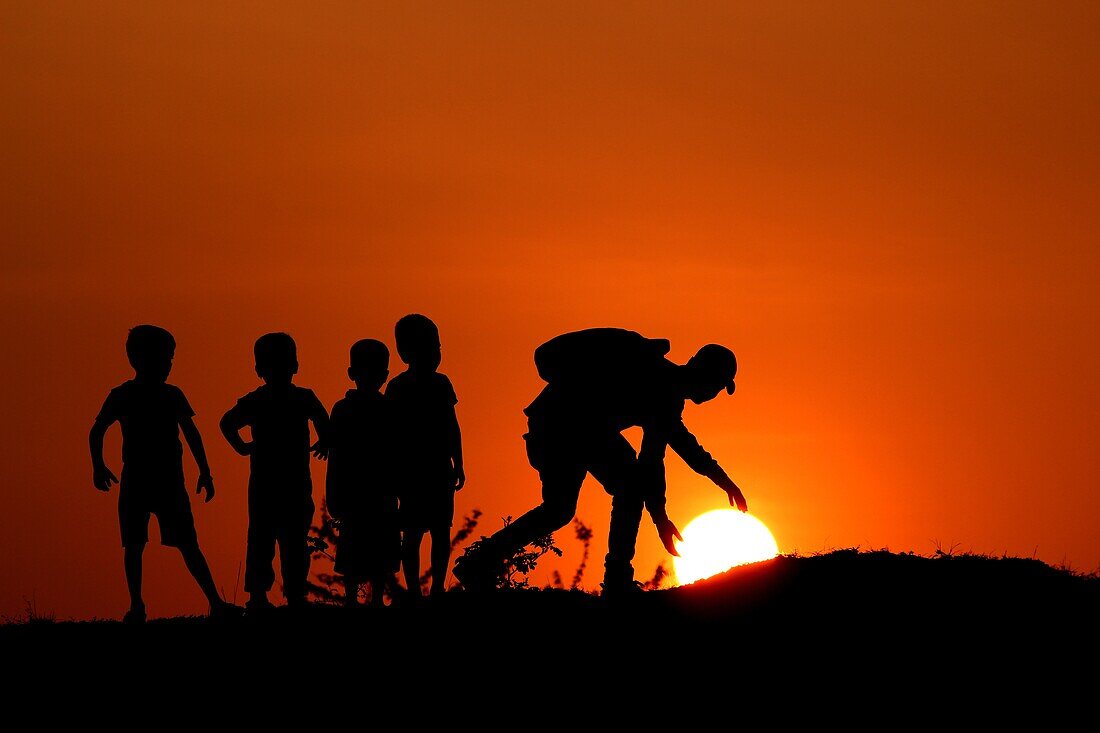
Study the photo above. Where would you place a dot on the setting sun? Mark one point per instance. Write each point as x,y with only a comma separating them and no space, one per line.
717,541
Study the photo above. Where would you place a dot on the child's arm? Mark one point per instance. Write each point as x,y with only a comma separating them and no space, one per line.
335,481
231,425
194,442
102,478
456,450
318,415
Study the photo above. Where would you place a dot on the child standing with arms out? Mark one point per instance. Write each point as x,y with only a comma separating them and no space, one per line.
429,450
280,490
152,413
359,485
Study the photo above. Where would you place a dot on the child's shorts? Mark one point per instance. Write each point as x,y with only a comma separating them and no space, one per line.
425,507
167,499
369,547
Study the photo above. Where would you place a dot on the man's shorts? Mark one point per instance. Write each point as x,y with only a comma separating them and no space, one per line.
164,497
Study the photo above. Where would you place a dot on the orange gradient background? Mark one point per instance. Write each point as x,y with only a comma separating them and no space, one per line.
889,213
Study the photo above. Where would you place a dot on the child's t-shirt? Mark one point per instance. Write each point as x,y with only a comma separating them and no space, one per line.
422,405
150,414
359,479
279,420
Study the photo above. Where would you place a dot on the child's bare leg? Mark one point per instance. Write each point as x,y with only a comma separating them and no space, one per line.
441,557
200,571
131,559
391,586
377,591
351,591
410,560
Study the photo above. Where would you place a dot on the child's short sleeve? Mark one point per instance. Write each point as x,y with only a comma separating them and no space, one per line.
180,406
244,412
313,403
447,391
112,408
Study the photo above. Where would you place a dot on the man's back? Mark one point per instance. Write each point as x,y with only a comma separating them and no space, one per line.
604,379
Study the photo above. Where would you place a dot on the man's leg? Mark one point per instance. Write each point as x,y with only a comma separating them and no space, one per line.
561,486
559,459
615,465
622,538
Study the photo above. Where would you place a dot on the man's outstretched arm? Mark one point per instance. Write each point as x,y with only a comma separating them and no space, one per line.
651,477
687,447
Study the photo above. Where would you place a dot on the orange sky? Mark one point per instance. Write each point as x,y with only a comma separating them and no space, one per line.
888,212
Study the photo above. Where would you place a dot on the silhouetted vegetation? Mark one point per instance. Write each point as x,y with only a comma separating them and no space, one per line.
323,535
321,541
584,535
659,576
518,566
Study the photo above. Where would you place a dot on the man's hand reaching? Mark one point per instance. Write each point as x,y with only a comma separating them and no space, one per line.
736,497
667,530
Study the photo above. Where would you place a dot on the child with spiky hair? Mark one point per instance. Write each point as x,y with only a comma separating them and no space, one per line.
429,450
152,413
359,484
280,489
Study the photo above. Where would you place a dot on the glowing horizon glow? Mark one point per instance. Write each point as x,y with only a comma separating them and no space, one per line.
721,539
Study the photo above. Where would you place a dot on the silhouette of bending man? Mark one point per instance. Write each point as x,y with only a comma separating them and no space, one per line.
600,382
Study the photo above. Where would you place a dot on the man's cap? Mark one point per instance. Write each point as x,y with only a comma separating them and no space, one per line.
718,360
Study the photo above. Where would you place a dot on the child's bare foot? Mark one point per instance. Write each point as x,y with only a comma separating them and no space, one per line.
222,611
298,602
258,604
135,616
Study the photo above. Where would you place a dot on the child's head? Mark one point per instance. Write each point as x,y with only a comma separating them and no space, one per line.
150,350
370,364
418,342
276,358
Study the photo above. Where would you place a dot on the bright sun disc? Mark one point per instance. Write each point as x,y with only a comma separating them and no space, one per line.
719,540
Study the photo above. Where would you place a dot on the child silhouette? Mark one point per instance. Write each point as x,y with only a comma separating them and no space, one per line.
280,490
358,485
428,450
152,413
